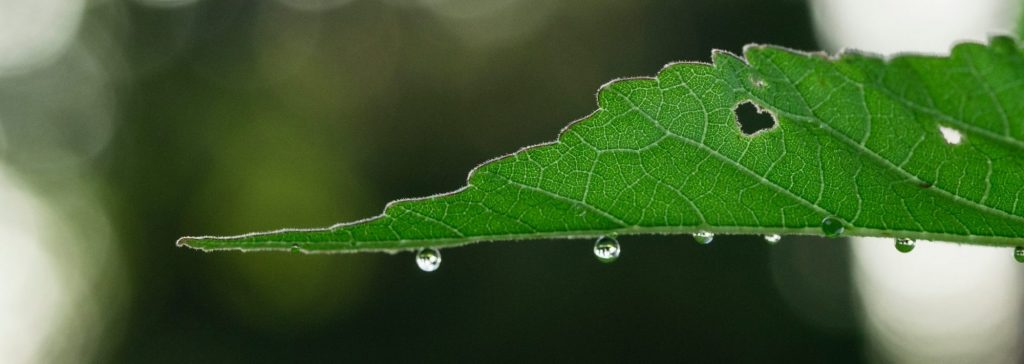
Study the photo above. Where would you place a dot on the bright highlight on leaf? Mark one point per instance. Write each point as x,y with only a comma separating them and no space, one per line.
859,147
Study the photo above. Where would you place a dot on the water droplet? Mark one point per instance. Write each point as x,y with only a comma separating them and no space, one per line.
295,248
904,245
703,237
428,259
1018,254
772,238
832,227
607,249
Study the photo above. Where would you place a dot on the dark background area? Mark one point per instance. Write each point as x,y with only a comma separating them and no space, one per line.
238,116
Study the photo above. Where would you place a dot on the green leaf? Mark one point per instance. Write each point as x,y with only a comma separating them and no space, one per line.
857,140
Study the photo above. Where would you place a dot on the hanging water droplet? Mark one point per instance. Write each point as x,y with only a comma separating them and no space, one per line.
1018,254
703,237
295,248
832,227
772,238
428,259
607,249
904,245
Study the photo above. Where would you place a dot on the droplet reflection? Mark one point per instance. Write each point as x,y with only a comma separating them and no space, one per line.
428,259
607,249
832,227
703,237
904,245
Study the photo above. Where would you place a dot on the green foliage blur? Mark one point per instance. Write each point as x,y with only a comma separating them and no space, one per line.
235,116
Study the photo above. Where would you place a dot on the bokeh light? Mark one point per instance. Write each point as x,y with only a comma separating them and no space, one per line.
940,302
33,33
59,278
58,116
33,297
927,26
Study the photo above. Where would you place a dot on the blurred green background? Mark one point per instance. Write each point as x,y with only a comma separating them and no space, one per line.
126,124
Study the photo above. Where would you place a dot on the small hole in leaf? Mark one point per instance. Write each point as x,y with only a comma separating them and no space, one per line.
752,119
951,135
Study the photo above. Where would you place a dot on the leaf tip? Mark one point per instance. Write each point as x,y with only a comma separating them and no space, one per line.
187,242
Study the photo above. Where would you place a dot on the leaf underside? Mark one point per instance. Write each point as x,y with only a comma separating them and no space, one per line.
856,138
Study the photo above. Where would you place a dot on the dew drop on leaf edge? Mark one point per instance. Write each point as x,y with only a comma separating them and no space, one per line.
773,238
607,249
703,237
428,259
1018,254
832,227
904,245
